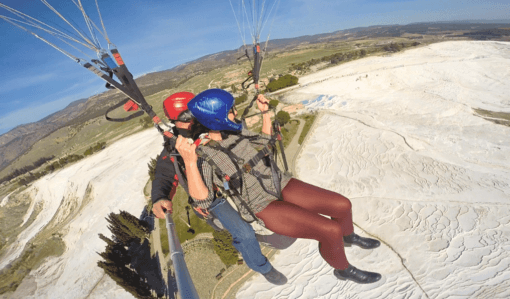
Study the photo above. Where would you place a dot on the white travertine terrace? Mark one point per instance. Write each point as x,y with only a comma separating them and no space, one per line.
397,135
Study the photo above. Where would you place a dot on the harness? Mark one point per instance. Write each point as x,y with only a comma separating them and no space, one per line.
242,168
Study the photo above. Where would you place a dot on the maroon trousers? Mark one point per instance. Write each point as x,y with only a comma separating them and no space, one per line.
298,216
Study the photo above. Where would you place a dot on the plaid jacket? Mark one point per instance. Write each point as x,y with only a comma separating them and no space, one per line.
243,147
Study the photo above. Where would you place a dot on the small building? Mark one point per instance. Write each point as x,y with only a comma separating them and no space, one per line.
240,261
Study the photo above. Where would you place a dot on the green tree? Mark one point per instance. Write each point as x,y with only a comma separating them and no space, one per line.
152,167
273,103
223,247
126,228
241,99
50,168
283,117
282,82
116,259
234,88
87,152
115,252
128,279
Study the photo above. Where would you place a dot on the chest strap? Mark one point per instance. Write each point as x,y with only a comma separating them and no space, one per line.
249,166
231,192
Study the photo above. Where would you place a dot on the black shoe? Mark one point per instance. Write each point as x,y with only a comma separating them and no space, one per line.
357,275
275,277
365,243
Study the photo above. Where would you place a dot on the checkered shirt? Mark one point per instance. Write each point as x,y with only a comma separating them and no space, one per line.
243,150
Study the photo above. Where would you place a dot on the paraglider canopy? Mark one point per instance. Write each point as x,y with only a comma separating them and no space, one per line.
254,19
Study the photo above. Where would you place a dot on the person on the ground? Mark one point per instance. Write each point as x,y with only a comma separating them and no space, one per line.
165,184
296,212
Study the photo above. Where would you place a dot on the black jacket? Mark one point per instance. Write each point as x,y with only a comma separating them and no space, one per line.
165,180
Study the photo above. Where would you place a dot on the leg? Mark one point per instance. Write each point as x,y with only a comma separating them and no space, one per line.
288,219
329,203
243,235
322,201
291,220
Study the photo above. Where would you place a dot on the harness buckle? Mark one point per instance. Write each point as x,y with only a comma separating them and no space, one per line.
247,167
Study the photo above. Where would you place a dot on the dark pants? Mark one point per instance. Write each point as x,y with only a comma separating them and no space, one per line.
298,216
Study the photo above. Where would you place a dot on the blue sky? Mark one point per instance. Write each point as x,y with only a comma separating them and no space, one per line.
36,80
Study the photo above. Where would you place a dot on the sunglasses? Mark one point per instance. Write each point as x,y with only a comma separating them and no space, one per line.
233,110
185,116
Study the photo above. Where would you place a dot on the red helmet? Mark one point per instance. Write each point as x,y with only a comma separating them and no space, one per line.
175,104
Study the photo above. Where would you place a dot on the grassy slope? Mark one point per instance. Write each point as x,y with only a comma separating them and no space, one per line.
500,118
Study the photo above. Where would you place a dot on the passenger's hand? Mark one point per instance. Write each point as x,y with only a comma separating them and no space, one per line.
160,207
201,211
262,103
186,150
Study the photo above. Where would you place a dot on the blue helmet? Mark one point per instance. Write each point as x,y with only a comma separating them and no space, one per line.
211,107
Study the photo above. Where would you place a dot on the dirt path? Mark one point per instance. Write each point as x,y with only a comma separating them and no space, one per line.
298,147
293,148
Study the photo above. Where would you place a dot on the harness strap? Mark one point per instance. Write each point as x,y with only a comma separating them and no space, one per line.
124,102
276,178
256,159
280,142
232,192
248,167
266,152
182,181
234,158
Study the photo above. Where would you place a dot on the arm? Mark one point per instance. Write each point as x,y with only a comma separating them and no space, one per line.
164,178
164,185
196,186
263,105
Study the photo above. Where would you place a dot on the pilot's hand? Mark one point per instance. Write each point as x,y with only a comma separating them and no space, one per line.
160,207
186,150
201,211
262,103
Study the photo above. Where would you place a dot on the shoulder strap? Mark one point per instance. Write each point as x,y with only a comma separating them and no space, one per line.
182,181
248,167
231,192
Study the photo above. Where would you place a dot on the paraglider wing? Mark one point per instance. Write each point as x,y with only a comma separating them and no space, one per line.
254,18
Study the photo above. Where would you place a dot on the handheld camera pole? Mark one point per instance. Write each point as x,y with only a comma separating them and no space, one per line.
185,285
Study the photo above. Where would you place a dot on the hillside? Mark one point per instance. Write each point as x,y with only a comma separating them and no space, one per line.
59,133
398,134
